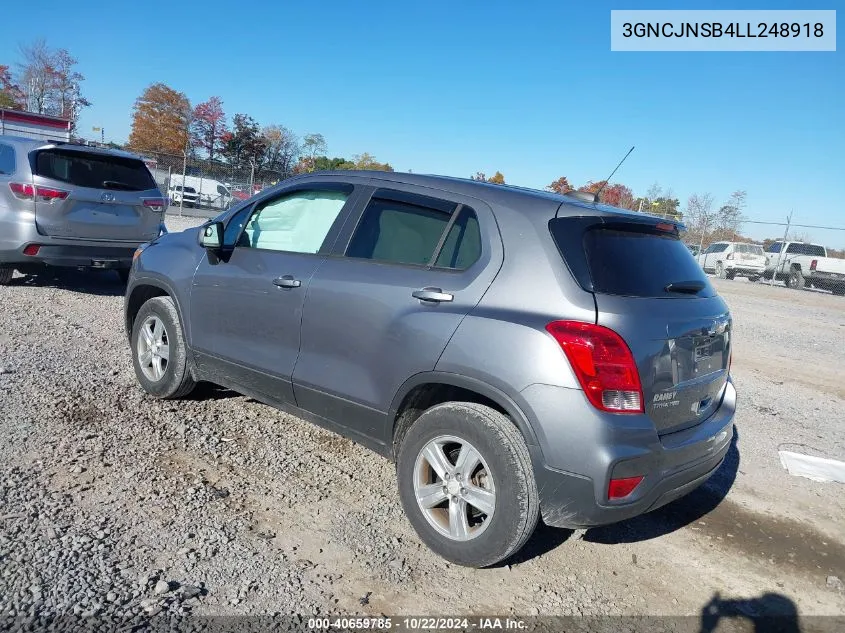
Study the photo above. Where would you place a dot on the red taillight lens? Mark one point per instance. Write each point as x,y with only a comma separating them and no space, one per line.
813,264
603,363
46,193
31,250
621,488
23,191
155,204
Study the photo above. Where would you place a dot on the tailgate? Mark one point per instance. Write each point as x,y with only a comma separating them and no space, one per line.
103,197
650,290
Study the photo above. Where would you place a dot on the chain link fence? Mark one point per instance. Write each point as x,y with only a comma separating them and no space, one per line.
797,256
206,186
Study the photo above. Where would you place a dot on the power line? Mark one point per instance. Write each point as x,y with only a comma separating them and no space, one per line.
803,226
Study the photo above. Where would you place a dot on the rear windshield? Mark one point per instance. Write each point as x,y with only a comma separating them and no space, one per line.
805,249
750,249
636,261
96,171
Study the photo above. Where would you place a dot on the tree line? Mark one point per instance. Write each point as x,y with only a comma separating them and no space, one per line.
164,121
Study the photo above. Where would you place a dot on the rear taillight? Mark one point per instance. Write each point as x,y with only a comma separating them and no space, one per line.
603,364
156,204
621,488
32,250
813,264
24,191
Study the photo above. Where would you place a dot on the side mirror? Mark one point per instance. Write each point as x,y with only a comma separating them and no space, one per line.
211,236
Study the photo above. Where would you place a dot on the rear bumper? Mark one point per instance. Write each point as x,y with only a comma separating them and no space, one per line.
672,465
72,255
745,269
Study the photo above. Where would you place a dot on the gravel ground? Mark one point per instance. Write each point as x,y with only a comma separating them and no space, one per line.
115,504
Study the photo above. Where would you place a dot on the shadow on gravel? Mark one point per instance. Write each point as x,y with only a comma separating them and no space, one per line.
769,613
104,283
677,514
544,540
210,391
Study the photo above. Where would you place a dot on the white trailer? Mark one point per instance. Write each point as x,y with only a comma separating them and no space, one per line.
31,125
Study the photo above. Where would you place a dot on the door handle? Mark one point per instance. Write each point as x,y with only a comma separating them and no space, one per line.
287,281
432,295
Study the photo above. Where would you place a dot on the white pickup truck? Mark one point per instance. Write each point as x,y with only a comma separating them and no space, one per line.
802,265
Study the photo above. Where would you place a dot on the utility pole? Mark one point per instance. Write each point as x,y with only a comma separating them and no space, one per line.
782,248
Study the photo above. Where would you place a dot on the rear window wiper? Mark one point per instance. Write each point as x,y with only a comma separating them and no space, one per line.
685,287
116,184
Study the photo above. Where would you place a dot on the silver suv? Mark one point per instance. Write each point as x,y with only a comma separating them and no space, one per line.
517,353
73,205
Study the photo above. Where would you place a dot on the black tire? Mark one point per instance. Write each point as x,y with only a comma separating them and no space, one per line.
503,449
754,278
720,270
839,291
730,274
796,279
176,381
6,275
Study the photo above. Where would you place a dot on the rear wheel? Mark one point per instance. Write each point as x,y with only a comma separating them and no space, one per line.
466,483
6,275
796,279
754,278
729,274
159,354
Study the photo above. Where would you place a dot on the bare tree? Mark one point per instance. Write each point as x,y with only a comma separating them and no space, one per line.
36,74
730,215
700,216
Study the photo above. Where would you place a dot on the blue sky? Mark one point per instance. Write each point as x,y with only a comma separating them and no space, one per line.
530,89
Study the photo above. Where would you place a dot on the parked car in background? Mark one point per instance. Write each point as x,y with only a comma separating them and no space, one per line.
209,193
183,196
512,350
731,259
800,264
73,205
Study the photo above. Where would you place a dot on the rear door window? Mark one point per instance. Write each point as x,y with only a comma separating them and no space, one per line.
406,232
95,171
634,260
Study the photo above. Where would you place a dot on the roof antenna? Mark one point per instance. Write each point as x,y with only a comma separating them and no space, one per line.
607,180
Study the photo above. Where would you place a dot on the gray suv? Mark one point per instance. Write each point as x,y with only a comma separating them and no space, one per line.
72,205
510,349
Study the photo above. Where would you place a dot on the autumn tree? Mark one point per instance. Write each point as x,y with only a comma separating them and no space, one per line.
245,146
368,161
161,120
283,149
11,96
496,179
561,185
208,126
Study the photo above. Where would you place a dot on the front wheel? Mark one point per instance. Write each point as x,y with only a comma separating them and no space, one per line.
159,354
466,483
